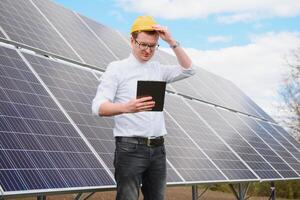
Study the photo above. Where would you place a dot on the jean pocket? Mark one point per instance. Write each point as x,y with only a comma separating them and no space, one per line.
126,147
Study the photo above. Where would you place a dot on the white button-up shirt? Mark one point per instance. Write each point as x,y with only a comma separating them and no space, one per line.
119,84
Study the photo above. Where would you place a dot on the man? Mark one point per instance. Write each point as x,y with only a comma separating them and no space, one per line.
140,153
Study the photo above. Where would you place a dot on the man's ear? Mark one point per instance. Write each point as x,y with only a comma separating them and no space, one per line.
132,41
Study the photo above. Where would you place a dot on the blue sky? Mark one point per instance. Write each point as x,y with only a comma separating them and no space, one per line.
245,41
191,31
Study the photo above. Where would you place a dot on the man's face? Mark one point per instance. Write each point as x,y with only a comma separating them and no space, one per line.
143,47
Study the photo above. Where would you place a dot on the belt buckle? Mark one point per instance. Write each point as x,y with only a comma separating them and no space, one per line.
149,141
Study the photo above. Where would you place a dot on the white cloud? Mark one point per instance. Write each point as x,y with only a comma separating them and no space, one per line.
229,10
219,38
257,68
118,16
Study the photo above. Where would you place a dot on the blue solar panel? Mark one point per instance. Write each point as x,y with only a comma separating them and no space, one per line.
287,136
247,153
285,170
85,43
41,143
252,107
230,165
75,88
23,23
282,140
110,37
261,146
213,89
199,88
39,147
187,158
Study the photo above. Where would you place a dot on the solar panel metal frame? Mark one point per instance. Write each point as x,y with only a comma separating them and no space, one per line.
63,190
286,135
85,47
53,190
184,101
51,32
280,139
97,75
264,132
234,134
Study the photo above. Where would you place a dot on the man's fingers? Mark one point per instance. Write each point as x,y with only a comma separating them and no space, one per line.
146,104
143,99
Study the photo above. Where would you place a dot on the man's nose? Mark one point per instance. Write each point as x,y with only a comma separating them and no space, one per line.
148,50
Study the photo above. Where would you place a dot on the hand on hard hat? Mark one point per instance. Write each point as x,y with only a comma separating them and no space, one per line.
164,34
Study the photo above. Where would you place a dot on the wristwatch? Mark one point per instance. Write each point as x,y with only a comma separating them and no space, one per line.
177,44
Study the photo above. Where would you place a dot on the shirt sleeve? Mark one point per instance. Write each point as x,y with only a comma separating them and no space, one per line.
106,90
172,73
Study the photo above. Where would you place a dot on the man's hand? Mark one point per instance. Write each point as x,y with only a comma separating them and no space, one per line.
139,105
164,34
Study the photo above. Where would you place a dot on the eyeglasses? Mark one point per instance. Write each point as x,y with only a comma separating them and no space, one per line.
144,46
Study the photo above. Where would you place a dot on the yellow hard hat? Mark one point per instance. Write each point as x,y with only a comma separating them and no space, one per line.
143,23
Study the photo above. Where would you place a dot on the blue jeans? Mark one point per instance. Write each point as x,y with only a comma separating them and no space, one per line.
137,164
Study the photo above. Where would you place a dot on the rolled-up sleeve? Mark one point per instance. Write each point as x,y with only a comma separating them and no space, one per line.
171,73
106,90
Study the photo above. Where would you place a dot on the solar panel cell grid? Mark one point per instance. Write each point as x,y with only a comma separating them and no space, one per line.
289,149
287,136
90,49
23,23
230,165
110,37
252,107
187,158
31,134
75,88
254,160
288,159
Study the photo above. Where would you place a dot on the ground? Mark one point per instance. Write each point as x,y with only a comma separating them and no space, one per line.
173,193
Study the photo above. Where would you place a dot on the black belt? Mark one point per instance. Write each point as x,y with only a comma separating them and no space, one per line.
158,141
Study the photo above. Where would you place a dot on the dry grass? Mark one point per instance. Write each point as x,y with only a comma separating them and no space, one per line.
173,193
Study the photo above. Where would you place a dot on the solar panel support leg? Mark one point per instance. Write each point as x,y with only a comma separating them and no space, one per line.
273,193
240,190
88,196
78,196
194,192
41,197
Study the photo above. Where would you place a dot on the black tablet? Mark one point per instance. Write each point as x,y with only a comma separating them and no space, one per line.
155,89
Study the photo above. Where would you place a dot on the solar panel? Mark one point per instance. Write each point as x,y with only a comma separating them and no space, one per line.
198,88
252,107
246,152
286,171
39,147
23,23
258,143
49,140
280,139
230,165
90,49
75,88
110,37
186,157
287,136
213,89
